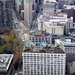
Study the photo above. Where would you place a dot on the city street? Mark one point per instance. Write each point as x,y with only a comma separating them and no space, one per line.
20,27
23,34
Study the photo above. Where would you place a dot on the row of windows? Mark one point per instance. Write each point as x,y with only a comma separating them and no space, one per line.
31,57
39,39
41,73
42,55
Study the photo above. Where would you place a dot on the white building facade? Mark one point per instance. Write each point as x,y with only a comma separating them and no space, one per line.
58,20
39,37
53,28
43,63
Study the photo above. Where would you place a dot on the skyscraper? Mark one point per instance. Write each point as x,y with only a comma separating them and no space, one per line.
31,8
6,13
28,12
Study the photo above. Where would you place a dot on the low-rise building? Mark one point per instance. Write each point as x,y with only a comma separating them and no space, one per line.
39,37
6,64
59,20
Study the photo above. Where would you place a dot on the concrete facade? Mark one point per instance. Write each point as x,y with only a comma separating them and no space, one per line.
38,37
43,63
71,68
53,28
6,64
69,49
49,6
59,19
31,8
6,13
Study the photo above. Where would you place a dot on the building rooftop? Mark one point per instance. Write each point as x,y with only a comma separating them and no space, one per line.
54,24
69,6
58,17
68,43
50,1
5,60
45,50
39,33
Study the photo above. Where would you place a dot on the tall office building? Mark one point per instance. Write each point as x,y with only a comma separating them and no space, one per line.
6,13
31,8
28,12
43,62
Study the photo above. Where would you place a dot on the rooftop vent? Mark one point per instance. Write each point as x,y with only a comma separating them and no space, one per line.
1,60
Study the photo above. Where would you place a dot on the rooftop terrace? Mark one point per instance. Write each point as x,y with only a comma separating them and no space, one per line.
44,50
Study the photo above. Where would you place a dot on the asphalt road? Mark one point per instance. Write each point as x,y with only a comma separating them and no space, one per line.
19,26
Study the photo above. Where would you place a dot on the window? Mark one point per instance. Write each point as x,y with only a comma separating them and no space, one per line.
36,39
32,7
36,1
52,30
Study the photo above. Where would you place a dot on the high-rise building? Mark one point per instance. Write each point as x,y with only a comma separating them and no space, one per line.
31,8
49,6
6,13
28,12
41,62
69,48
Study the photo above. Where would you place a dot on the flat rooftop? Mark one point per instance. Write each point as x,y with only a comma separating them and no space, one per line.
69,6
68,43
45,50
39,33
55,25
60,17
50,1
5,60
